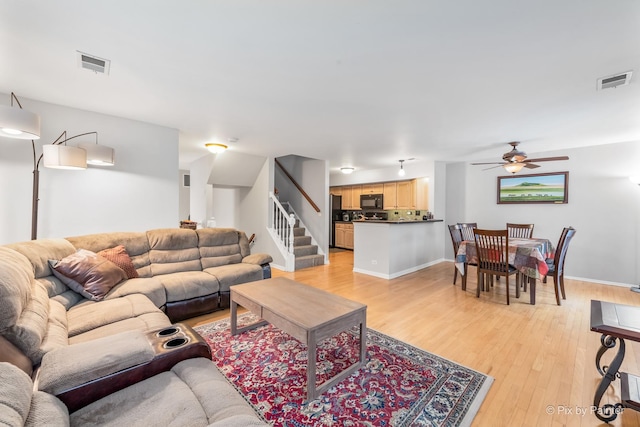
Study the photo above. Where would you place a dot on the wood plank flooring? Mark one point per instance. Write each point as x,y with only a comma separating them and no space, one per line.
542,357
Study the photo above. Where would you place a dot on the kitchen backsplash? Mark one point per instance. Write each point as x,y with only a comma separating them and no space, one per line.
394,215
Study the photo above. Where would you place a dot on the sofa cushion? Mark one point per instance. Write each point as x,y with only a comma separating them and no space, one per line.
88,273
57,330
119,256
16,282
90,320
28,332
39,252
182,395
136,244
173,250
150,287
15,395
234,274
47,410
188,284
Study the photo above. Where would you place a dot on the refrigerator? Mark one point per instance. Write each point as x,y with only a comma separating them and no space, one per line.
335,207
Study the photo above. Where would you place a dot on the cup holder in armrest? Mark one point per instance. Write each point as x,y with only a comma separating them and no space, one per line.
167,332
176,342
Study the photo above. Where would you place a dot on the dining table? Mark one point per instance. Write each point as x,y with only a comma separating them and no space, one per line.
528,256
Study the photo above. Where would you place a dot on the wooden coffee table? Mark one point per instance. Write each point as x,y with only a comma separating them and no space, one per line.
304,312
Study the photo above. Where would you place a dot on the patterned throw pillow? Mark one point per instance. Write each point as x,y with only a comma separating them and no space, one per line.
120,257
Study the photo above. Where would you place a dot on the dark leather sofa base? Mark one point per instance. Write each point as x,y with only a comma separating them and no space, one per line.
180,310
171,345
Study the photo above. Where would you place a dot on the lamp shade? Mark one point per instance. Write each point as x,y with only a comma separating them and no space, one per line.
513,167
98,155
64,157
18,123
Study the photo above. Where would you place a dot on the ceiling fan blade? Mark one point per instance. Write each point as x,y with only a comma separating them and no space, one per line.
531,166
546,159
492,167
490,163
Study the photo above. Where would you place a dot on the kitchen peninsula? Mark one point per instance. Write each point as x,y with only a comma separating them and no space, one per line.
390,249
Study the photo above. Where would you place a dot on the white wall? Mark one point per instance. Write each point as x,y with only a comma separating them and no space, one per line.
139,193
604,207
311,175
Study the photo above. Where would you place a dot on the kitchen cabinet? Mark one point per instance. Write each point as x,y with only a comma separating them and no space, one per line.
389,195
347,198
372,188
356,192
336,191
344,235
421,186
404,195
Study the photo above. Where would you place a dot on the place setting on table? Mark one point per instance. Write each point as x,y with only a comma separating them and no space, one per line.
525,256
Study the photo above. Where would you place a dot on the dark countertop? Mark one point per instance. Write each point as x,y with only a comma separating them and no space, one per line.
406,221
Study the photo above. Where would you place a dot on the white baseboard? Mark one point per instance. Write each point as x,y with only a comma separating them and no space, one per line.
399,273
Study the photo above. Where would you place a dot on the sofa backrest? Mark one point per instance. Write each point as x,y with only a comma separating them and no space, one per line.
173,250
136,244
24,304
219,246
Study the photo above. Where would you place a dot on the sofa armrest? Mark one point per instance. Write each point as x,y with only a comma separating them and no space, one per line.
258,259
68,367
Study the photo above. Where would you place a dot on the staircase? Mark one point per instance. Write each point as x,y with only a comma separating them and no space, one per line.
290,234
305,253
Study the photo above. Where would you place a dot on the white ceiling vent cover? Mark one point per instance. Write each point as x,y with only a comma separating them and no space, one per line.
93,63
616,80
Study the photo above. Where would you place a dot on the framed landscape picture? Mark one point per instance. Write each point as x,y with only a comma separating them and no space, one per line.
537,188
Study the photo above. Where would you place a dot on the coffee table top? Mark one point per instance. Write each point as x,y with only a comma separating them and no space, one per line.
285,297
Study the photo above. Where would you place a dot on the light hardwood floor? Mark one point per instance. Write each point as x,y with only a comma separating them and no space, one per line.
542,357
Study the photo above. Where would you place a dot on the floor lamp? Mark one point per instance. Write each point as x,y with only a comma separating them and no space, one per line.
22,124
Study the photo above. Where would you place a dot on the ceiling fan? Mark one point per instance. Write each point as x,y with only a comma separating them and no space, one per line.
515,160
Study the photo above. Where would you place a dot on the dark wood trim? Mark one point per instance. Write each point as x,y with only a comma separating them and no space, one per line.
304,193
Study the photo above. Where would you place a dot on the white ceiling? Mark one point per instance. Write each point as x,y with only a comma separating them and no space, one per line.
355,82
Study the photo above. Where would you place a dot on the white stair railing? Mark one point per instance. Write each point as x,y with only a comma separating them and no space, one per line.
282,231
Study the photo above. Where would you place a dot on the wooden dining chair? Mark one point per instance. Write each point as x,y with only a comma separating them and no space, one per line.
466,228
456,238
556,264
492,248
523,231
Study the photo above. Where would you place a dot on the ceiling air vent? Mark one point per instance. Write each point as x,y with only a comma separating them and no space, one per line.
93,63
615,80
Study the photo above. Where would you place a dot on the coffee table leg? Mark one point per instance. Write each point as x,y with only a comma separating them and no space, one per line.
234,317
363,341
311,368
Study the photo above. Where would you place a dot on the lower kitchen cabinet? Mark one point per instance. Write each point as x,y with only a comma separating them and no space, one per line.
344,235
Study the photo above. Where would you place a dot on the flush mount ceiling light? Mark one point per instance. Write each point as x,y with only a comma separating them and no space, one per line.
18,123
215,148
513,167
347,170
401,172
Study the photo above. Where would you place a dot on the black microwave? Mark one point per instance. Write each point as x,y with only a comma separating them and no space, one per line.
371,201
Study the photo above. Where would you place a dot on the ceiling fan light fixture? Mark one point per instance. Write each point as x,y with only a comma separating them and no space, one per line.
513,167
215,148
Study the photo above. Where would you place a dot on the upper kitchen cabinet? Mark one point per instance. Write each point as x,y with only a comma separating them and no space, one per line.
405,195
389,195
336,191
421,191
356,192
347,198
372,188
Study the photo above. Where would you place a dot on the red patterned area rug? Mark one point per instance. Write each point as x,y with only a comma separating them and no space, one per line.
400,385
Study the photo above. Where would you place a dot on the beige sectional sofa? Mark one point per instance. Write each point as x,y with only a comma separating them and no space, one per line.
180,273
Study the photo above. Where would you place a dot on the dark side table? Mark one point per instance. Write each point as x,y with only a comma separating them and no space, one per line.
616,322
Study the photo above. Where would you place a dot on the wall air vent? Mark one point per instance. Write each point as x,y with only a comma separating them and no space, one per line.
616,80
186,180
93,63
